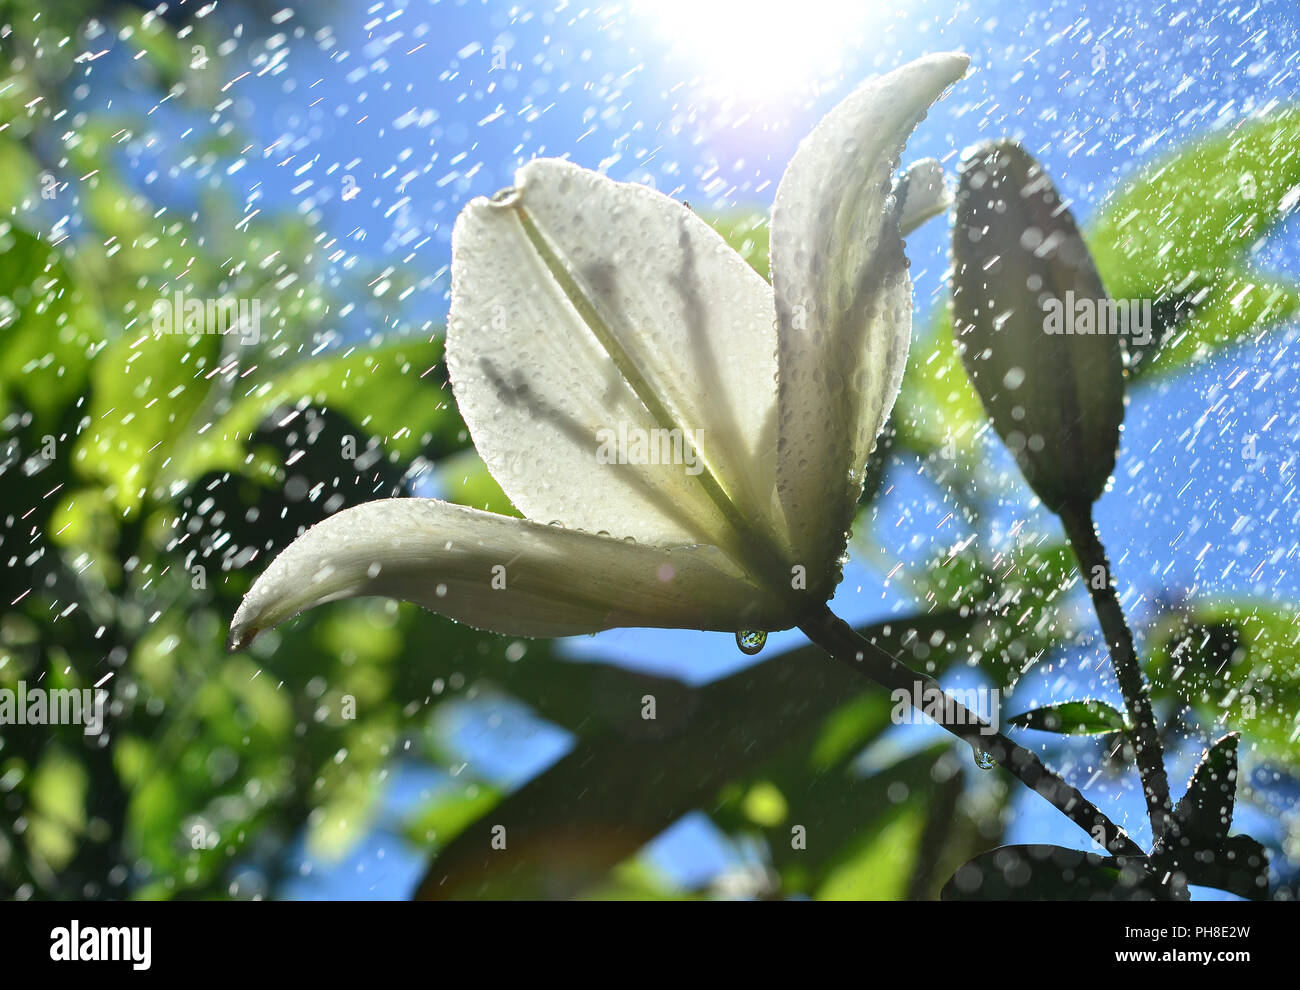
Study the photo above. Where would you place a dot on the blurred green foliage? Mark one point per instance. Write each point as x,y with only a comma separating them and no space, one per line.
146,480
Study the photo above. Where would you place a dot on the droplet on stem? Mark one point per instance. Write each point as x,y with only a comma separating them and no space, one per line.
750,641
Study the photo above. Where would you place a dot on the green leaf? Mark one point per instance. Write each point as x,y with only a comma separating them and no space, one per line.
620,787
882,865
846,818
1197,843
465,479
613,793
1181,231
1203,817
747,232
938,409
1056,399
48,333
1239,866
1072,718
19,173
1235,663
1204,814
1050,873
386,389
146,389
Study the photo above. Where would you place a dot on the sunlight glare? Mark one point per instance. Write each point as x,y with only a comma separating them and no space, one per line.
758,50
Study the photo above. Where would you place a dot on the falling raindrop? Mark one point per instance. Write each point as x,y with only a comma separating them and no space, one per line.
750,641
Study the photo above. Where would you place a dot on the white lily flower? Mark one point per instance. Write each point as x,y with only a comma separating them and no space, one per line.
598,330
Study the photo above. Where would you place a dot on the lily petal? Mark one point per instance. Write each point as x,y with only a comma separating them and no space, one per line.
499,573
581,305
843,301
921,194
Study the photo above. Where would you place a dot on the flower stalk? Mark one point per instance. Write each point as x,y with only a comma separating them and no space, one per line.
1149,754
838,639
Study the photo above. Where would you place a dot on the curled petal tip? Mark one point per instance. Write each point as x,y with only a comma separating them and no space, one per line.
960,61
507,197
241,635
838,265
922,192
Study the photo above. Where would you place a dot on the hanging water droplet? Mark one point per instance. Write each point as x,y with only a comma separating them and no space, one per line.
984,760
750,641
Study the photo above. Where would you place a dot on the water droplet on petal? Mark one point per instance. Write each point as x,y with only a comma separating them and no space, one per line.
750,641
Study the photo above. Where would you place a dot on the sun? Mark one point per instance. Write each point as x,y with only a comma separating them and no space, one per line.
760,51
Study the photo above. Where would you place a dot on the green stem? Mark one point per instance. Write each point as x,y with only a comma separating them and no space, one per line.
1094,566
838,639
